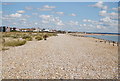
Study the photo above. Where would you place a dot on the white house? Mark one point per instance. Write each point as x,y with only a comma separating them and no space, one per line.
37,30
46,30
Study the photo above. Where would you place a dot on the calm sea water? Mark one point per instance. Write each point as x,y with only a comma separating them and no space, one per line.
106,37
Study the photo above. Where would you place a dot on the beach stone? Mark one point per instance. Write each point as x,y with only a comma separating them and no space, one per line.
61,57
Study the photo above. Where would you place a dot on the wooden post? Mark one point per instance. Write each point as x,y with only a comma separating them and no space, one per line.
105,41
117,43
109,42
113,43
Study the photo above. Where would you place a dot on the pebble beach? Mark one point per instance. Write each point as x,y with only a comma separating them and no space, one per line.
61,57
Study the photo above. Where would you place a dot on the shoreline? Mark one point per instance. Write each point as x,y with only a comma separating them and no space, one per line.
100,40
105,34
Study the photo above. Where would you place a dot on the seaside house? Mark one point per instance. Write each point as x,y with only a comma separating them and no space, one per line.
8,29
17,29
27,29
52,30
46,30
2,29
37,30
5,29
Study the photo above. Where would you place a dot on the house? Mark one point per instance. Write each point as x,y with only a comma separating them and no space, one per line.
46,30
2,29
17,29
27,30
8,29
13,29
37,30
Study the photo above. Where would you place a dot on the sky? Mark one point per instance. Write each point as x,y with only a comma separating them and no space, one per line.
69,16
58,0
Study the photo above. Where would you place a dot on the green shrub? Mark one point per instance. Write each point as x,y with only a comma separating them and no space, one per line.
15,36
6,35
28,38
38,38
51,34
15,43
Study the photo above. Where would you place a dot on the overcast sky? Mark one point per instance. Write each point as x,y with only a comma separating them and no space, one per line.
72,16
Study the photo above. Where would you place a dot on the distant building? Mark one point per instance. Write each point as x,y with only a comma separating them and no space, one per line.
8,29
2,29
27,30
37,30
17,29
46,30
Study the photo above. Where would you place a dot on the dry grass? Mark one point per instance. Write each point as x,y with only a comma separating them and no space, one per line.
14,43
38,38
28,38
20,38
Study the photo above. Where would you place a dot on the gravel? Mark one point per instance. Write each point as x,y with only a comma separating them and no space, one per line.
61,57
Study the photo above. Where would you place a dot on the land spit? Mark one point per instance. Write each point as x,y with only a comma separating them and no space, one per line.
61,57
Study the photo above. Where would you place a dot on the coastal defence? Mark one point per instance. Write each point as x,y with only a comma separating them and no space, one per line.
114,43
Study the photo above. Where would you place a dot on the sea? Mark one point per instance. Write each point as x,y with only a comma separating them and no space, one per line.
115,38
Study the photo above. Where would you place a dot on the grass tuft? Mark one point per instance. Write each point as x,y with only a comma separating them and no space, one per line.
38,38
15,43
28,38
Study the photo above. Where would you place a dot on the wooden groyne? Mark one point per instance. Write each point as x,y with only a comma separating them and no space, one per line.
99,40
110,42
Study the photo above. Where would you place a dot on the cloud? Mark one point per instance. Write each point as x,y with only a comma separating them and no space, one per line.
59,13
60,23
15,15
84,20
99,5
103,13
113,14
72,14
51,19
116,9
44,21
45,16
107,21
21,11
50,7
36,23
99,26
73,23
89,21
46,8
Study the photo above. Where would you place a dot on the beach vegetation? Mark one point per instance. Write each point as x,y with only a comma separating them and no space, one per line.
38,38
15,43
28,38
